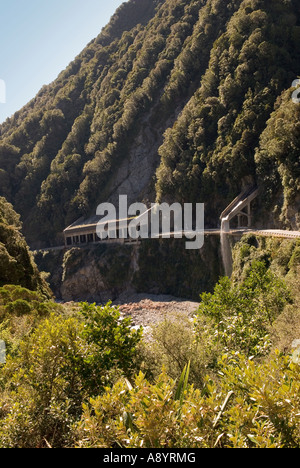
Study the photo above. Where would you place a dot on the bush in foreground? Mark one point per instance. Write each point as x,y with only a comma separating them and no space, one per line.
252,406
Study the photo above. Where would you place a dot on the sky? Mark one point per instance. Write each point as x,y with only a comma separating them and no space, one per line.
39,38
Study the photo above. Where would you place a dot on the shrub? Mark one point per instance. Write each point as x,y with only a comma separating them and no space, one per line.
254,406
242,314
173,344
42,390
18,307
62,362
113,342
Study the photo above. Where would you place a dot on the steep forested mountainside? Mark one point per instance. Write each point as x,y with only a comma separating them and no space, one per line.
184,100
16,262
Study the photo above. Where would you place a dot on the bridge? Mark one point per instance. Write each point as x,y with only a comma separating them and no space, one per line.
282,234
83,233
239,208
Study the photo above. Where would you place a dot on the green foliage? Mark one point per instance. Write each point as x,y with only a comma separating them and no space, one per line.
16,262
113,342
210,148
173,344
264,411
275,169
73,376
254,406
7,214
295,258
183,384
18,307
21,311
243,314
47,387
54,363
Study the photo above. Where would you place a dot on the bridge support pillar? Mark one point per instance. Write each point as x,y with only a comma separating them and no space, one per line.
225,225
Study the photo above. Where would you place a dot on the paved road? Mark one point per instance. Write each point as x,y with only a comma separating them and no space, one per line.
240,232
261,232
279,233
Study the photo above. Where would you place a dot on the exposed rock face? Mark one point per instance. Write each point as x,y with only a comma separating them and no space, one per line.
88,282
98,274
104,272
135,173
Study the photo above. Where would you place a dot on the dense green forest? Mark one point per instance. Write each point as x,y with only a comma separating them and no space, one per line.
16,260
198,89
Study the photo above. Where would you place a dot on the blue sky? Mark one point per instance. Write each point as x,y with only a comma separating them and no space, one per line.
39,38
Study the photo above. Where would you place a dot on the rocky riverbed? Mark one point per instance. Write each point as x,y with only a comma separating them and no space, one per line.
147,310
